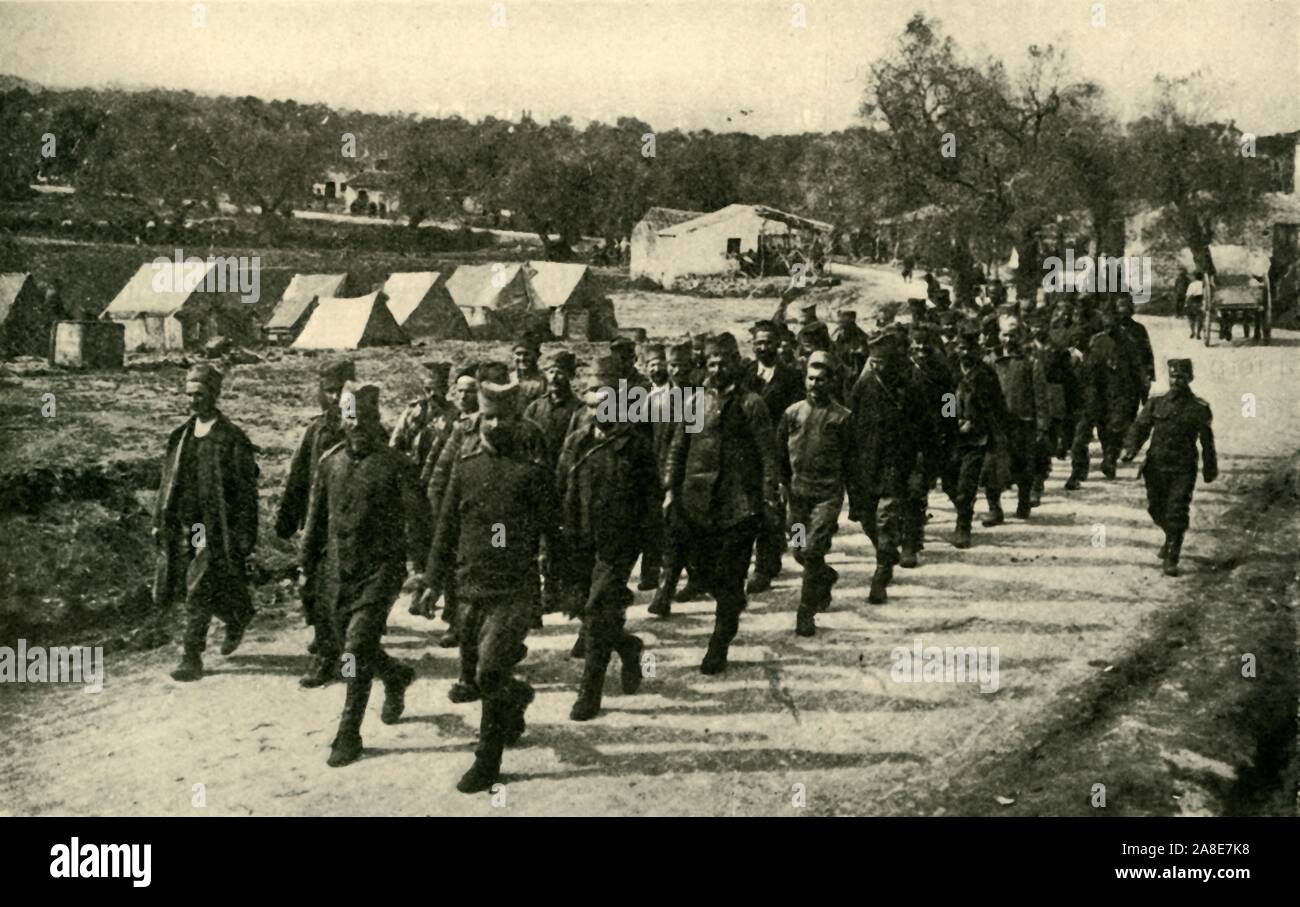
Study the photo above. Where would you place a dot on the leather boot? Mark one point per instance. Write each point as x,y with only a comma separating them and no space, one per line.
400,677
994,517
521,696
805,623
879,581
758,583
579,649
1023,498
345,748
690,592
724,631
1036,493
1074,482
1175,544
324,670
961,538
629,656
587,706
491,743
190,667
907,557
234,636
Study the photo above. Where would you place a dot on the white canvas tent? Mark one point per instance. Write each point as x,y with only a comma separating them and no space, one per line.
296,305
350,323
171,306
577,308
493,298
25,317
422,306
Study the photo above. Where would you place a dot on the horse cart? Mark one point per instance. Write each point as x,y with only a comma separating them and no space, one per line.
1238,299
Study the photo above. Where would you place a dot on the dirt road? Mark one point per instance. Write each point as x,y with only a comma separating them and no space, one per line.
816,726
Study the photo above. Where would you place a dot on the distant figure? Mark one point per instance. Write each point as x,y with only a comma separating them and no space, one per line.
909,262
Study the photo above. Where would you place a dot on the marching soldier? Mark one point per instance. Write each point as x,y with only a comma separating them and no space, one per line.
849,343
531,381
889,416
365,521
1114,353
322,433
721,485
553,411
499,510
979,414
652,546
815,448
779,386
602,477
426,419
205,522
1024,389
1140,340
1175,422
936,382
681,374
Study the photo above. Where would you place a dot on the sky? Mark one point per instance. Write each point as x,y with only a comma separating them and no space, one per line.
761,66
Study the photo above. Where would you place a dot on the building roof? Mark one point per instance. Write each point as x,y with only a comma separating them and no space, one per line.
723,215
384,180
176,286
657,219
346,324
10,286
298,296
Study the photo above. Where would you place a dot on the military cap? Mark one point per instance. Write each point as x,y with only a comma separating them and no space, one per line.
764,327
360,399
440,372
492,372
1181,367
341,370
495,397
654,352
622,343
820,359
681,352
723,343
203,375
700,341
606,371
467,370
808,308
815,334
880,339
528,342
846,316
563,360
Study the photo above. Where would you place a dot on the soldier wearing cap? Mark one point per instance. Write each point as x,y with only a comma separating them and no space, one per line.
980,415
849,343
498,513
601,481
674,549
1113,389
623,349
655,356
427,419
1028,407
1054,363
779,386
1140,340
205,522
889,426
936,383
366,521
722,483
532,383
1175,422
553,410
322,432
816,452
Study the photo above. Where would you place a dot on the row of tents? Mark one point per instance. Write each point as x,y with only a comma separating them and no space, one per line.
179,305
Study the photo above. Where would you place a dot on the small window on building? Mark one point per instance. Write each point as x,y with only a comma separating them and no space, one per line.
733,248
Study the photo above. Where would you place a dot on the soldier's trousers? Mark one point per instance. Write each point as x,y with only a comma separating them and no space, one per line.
212,589
652,547
604,615
883,519
1023,450
1090,419
1120,412
360,634
767,550
492,634
961,481
721,558
1169,497
820,519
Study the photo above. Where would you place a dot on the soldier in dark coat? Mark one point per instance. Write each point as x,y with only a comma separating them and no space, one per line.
721,485
601,481
366,521
652,544
1113,351
553,411
427,420
979,414
1141,341
674,559
937,385
816,451
1028,407
849,343
779,386
322,433
1175,421
205,522
498,513
889,427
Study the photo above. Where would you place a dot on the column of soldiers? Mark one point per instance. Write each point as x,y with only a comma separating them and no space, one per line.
503,492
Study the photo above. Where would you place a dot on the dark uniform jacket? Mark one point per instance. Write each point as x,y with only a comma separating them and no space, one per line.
229,516
981,411
1137,335
1024,387
435,479
724,473
365,520
604,511
815,444
784,388
1114,367
322,433
1175,422
423,426
935,382
553,418
498,509
889,424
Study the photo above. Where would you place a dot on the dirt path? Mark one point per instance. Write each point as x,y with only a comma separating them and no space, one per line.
821,718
